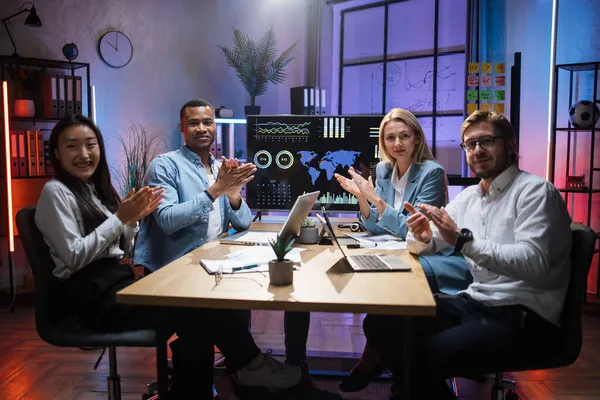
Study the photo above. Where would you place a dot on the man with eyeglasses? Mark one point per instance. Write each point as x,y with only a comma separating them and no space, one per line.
513,229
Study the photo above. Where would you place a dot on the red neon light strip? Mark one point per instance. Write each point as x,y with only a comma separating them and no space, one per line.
11,239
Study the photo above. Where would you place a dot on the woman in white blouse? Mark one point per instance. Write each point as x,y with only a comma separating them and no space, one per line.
89,230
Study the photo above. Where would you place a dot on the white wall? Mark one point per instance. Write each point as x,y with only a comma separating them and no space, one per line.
175,59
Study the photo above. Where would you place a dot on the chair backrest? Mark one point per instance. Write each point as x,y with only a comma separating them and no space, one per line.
48,302
582,252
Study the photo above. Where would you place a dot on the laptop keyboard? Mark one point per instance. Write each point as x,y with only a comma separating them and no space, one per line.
369,261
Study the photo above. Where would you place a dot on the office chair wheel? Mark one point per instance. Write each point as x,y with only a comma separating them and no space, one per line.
511,395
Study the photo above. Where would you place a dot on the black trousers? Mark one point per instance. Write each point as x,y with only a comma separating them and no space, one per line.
198,330
464,334
295,326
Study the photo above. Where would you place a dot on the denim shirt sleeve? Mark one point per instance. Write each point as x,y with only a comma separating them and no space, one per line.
172,216
241,218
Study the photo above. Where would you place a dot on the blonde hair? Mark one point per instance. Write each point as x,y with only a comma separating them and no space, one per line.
421,152
500,125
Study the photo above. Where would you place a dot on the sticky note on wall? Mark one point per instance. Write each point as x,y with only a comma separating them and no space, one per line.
472,95
486,68
471,108
473,68
499,95
486,80
499,68
499,108
485,95
485,107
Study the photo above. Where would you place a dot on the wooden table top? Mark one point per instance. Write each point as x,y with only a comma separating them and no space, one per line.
323,283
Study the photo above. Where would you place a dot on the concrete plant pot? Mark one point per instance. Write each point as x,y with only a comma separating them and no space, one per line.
309,235
281,273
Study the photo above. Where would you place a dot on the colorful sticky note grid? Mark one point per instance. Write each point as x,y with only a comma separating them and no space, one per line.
473,68
472,95
499,68
471,108
486,80
499,108
484,95
500,80
485,107
472,80
486,68
499,95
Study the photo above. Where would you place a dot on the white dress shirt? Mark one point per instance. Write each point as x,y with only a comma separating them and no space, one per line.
399,185
58,217
215,226
521,246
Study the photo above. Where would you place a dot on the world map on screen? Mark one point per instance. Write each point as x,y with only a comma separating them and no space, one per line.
332,160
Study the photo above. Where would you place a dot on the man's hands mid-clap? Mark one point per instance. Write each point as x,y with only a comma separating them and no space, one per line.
418,223
231,177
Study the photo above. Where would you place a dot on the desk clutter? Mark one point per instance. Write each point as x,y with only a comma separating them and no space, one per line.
248,259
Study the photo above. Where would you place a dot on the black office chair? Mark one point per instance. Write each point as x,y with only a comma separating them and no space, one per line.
58,329
567,349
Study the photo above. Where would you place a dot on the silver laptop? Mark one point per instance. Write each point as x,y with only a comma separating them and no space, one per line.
367,262
291,226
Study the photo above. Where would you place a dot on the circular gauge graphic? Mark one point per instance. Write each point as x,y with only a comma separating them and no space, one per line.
262,159
284,159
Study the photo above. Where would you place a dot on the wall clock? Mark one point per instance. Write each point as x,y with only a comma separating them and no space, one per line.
115,49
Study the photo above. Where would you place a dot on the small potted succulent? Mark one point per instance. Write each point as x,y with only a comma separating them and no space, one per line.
281,270
309,233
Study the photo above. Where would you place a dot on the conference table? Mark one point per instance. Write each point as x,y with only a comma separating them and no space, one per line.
324,283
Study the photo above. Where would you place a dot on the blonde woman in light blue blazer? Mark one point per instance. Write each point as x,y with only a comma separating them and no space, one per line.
408,172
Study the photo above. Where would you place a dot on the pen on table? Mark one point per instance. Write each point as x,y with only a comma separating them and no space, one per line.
362,245
236,269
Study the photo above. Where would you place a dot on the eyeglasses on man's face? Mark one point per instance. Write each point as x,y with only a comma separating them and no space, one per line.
486,142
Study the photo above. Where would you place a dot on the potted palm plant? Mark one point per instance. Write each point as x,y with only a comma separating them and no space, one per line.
309,234
281,270
256,63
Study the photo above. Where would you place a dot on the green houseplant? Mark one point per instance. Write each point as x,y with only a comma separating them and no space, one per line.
281,270
138,148
309,234
257,64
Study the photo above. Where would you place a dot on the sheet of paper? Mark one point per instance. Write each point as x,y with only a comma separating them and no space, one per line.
262,254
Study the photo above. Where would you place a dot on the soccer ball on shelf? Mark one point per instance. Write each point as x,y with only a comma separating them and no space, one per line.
580,114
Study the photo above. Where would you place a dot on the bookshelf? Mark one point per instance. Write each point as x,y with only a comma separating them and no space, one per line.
22,189
575,82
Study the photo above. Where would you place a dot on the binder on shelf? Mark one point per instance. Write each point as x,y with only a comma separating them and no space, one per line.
48,165
50,99
69,101
78,88
41,154
14,154
22,148
305,100
32,165
60,87
323,101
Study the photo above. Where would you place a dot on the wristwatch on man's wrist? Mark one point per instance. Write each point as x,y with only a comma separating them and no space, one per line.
464,236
